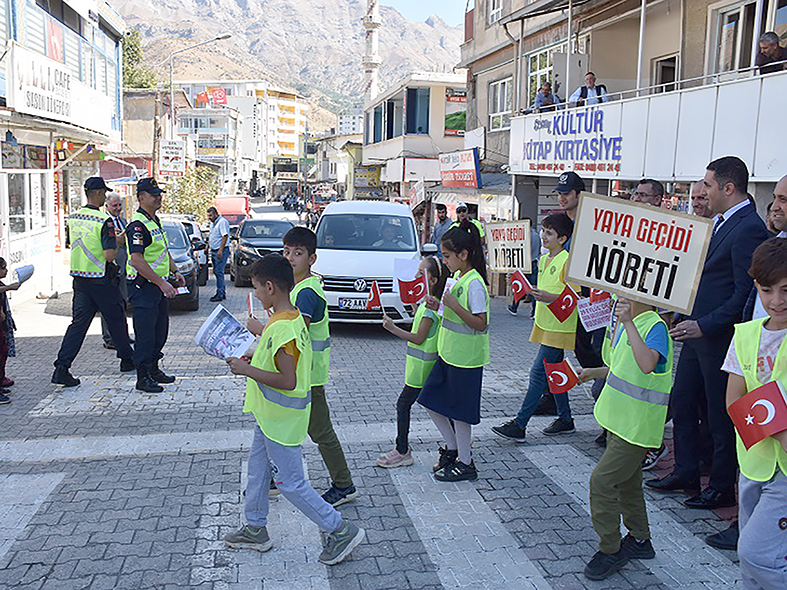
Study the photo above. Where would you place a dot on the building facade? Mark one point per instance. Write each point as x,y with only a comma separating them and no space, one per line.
350,121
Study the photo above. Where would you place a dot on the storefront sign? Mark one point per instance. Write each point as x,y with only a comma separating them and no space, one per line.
508,244
172,157
417,193
582,140
455,111
366,177
643,253
460,169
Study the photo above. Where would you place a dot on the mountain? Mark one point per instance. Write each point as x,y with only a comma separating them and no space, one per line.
313,46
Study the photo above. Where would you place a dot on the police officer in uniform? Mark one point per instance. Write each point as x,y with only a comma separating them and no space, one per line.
93,247
148,269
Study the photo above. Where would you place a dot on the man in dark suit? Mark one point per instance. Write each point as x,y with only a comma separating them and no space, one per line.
114,207
722,293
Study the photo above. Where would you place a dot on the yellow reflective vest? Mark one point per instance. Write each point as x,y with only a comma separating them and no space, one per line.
87,251
318,332
157,253
421,357
549,280
457,343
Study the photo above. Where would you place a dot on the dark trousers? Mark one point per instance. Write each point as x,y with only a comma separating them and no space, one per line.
404,406
324,436
699,370
151,324
3,354
122,286
91,296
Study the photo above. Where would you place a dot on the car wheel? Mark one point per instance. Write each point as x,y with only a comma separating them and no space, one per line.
202,279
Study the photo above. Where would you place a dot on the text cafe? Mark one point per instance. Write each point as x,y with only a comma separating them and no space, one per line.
600,143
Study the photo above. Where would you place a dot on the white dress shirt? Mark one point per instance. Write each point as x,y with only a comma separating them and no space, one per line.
218,229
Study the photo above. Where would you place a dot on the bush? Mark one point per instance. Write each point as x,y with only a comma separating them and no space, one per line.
193,193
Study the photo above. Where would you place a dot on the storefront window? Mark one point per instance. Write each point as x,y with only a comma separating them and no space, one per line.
27,202
18,211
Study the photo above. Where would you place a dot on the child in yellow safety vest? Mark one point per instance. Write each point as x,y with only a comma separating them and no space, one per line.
757,356
278,393
632,408
554,336
452,392
421,357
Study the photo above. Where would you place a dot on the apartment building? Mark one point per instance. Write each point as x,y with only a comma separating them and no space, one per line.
218,135
350,121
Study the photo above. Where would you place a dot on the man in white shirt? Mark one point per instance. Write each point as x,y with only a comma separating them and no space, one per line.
590,93
219,252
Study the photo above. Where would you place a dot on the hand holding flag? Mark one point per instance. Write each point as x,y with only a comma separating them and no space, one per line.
520,285
564,305
760,413
561,376
374,297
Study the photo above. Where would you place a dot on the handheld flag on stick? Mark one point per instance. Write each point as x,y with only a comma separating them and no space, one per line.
374,297
413,291
564,304
560,376
520,285
760,413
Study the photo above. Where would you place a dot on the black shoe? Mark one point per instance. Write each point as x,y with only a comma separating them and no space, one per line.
457,471
601,439
63,376
4,399
674,483
216,298
511,309
560,426
126,366
109,346
711,498
510,430
160,376
148,385
637,549
726,539
603,565
447,458
546,406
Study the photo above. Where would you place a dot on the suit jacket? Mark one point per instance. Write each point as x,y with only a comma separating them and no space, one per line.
122,256
725,283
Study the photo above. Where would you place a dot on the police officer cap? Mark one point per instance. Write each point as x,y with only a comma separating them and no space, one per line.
96,183
569,181
461,205
149,185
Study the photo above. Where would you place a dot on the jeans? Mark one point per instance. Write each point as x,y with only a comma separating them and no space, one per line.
538,385
219,264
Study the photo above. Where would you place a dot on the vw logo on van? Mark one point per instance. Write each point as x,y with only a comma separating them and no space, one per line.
360,285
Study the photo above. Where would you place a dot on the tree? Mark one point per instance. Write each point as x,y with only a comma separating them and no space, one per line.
193,193
135,74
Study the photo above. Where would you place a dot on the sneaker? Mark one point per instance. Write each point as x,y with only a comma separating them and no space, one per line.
63,376
546,406
560,426
636,549
249,537
394,458
511,309
4,399
447,457
338,496
653,456
339,544
457,471
510,430
603,565
273,491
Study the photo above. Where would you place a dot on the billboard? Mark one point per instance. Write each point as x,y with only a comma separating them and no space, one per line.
460,169
455,112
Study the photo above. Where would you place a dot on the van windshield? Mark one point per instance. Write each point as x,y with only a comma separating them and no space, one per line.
358,231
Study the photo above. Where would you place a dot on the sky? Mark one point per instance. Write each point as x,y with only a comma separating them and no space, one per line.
451,11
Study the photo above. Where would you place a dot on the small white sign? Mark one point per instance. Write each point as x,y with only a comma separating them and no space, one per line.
172,157
595,315
508,245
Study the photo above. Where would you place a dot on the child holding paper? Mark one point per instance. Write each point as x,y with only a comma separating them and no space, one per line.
758,355
554,336
421,357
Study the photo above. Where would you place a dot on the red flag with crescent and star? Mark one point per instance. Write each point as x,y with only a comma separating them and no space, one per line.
564,305
560,376
599,295
760,413
520,286
413,291
374,297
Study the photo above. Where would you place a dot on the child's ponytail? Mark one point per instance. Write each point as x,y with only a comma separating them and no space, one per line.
467,237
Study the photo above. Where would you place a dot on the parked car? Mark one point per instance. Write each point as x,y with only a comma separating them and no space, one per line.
185,256
193,231
357,243
255,239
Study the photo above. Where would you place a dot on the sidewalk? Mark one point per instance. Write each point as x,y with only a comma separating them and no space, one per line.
102,486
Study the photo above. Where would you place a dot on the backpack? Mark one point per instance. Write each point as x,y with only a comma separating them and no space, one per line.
583,93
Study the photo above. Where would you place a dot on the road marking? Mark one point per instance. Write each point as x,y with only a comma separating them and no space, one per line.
464,538
681,557
20,498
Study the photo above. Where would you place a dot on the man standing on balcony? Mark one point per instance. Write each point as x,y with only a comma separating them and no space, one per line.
772,56
545,100
590,93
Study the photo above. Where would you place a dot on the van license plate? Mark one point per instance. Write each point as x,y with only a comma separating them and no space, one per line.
345,303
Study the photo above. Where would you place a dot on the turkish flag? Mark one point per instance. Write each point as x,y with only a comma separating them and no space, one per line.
564,305
520,285
374,297
203,97
219,95
599,295
560,376
413,291
760,413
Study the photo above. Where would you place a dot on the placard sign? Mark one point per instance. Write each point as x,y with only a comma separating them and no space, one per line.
172,157
508,243
640,252
460,169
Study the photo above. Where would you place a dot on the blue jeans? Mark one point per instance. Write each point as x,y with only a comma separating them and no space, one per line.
538,385
219,264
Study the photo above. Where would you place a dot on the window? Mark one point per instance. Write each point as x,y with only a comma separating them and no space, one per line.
378,124
734,36
417,111
500,102
353,231
780,19
495,10
27,202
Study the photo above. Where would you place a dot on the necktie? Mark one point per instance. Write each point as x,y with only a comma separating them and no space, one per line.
119,224
717,225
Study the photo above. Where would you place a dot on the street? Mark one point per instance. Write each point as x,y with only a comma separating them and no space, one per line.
103,486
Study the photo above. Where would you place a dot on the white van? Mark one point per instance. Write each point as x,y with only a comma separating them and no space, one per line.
357,243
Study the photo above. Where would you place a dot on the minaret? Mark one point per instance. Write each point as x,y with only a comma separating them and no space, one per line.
371,59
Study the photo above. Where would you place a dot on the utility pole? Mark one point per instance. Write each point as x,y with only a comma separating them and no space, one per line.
156,131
